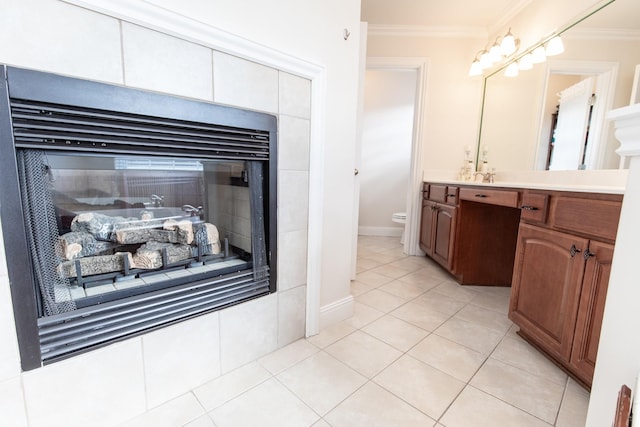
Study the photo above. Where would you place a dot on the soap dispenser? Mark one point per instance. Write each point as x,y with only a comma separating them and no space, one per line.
484,167
469,167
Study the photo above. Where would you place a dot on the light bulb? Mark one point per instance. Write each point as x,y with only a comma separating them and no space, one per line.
525,62
475,69
555,46
538,55
512,70
508,45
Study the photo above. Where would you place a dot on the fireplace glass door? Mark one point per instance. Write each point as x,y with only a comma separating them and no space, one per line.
103,228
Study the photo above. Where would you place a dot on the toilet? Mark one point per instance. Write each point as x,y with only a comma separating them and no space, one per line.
400,218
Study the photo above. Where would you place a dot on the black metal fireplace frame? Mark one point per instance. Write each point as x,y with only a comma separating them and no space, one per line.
257,141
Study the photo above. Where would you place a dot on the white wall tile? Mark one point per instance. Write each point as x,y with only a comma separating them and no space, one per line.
248,331
60,38
292,259
293,200
244,83
295,95
291,315
9,356
293,143
159,62
12,410
180,357
101,388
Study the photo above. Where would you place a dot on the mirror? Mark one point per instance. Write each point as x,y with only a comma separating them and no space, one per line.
520,126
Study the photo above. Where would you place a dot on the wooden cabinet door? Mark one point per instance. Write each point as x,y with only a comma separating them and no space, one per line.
444,234
546,287
591,310
426,226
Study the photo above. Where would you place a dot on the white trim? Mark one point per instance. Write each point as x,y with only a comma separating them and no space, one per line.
380,231
627,124
337,311
156,18
414,195
427,31
602,34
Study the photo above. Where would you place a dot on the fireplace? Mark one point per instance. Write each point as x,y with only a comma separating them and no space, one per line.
124,211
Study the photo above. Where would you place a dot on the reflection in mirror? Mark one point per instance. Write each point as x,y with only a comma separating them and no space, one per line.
532,121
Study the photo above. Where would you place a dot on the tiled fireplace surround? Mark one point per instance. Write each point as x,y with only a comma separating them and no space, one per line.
140,373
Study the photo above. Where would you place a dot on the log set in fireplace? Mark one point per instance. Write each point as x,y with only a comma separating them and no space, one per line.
124,211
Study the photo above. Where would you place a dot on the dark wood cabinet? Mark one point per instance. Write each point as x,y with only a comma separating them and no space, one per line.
438,225
561,274
591,310
546,284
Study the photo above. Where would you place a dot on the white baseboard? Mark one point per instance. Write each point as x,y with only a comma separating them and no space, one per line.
335,312
381,231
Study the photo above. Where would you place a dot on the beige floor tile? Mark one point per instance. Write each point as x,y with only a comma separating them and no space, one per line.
474,408
365,264
381,301
390,271
422,386
321,381
331,334
410,264
216,392
176,412
363,315
425,277
395,332
495,301
203,421
364,353
493,320
372,406
535,395
359,288
288,356
470,335
268,405
515,351
416,314
403,290
573,411
456,291
436,301
321,423
454,359
385,257
373,279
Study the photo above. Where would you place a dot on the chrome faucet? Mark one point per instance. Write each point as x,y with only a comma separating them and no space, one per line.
157,201
487,177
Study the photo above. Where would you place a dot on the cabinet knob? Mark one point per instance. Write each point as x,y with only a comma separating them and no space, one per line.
528,208
573,251
481,195
588,254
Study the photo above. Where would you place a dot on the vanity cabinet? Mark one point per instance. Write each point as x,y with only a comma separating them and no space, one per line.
438,223
561,273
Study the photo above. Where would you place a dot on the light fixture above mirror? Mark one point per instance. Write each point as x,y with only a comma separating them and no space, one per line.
502,48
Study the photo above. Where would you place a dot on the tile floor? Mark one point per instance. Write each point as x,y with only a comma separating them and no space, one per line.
420,350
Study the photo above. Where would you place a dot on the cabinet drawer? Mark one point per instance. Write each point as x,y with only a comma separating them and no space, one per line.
452,195
598,218
534,207
493,197
438,193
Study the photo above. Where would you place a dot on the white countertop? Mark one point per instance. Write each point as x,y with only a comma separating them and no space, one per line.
611,181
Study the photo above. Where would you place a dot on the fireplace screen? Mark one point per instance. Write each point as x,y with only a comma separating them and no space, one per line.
124,211
103,228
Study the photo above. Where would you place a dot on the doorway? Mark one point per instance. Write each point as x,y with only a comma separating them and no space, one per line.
416,70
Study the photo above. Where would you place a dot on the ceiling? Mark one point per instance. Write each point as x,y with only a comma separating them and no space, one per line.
482,15
474,14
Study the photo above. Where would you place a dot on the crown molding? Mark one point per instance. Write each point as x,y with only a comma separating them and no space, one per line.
508,15
426,31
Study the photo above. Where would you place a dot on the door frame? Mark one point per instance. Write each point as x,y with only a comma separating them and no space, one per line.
414,195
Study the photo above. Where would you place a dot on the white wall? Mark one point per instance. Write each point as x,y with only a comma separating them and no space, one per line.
386,148
140,373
